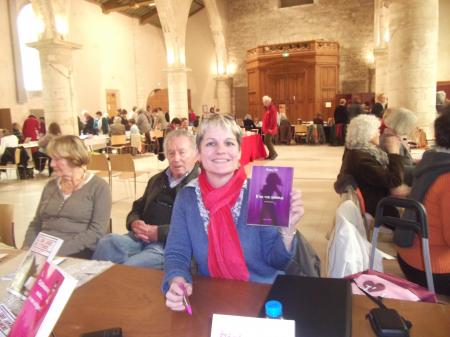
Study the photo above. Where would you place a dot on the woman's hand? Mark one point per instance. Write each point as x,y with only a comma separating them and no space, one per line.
295,214
392,144
401,191
174,296
296,211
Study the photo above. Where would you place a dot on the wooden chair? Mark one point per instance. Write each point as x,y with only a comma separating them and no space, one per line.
7,225
301,132
122,166
118,142
99,165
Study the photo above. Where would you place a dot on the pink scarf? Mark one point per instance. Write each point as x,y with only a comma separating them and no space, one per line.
225,256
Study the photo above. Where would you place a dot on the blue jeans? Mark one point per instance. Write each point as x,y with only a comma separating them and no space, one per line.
127,249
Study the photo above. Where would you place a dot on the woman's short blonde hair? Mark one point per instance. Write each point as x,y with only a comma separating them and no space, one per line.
70,148
224,121
361,130
401,120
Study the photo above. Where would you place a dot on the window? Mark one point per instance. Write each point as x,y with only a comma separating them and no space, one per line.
291,3
31,65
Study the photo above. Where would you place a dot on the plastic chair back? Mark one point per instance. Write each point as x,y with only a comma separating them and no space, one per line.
418,225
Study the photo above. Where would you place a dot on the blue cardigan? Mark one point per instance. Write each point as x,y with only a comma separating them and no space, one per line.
263,247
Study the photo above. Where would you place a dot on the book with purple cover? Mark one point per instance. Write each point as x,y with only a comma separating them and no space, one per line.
269,196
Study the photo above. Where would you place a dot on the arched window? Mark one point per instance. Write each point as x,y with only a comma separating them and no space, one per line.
31,65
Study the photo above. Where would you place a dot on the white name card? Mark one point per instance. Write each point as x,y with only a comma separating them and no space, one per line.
240,326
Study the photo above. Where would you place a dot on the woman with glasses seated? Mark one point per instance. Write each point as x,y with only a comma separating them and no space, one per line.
209,220
75,205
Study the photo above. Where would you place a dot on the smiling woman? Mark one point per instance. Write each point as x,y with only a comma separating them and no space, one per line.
209,220
75,206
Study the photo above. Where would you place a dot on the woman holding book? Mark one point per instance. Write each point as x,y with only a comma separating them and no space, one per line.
75,205
209,220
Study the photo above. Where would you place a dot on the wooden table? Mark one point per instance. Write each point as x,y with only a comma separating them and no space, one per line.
131,298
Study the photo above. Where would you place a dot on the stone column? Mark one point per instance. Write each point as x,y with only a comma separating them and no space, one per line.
381,70
223,79
173,16
223,94
177,84
58,91
413,58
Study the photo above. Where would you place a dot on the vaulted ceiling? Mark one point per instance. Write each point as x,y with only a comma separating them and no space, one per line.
144,10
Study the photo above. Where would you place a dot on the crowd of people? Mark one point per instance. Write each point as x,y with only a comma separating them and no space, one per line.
196,208
377,160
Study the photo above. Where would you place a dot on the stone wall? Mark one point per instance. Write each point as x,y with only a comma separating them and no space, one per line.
349,22
443,70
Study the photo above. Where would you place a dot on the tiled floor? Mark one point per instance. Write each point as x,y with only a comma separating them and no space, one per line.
316,168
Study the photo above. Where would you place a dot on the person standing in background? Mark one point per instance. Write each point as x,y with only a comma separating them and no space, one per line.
340,120
42,128
31,127
379,106
102,124
192,117
355,108
270,126
89,124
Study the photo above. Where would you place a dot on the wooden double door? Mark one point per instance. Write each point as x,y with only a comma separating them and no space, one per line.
292,90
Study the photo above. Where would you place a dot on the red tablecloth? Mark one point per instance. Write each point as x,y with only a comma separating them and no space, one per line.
252,148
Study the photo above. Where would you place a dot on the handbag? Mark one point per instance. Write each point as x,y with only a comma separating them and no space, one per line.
305,261
386,285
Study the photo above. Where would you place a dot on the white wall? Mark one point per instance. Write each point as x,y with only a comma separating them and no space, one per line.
200,56
117,54
443,70
7,82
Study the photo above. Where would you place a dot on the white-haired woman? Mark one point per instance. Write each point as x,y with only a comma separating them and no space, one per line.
400,122
209,220
376,173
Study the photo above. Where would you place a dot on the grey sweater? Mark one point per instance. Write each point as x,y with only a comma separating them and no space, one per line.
80,220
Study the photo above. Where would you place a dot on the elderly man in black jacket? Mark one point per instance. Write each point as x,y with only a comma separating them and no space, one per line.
148,221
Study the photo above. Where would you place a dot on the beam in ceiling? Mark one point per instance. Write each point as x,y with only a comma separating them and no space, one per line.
117,6
146,18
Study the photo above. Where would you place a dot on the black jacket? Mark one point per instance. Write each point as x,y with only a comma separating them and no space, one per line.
374,180
157,185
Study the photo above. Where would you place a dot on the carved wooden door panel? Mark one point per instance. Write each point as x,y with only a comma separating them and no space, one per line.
277,88
296,101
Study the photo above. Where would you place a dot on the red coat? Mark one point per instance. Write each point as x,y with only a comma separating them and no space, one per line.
31,127
270,120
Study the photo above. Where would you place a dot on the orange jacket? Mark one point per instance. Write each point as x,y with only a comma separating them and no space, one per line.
437,204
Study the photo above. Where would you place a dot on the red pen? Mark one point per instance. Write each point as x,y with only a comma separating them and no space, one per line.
185,299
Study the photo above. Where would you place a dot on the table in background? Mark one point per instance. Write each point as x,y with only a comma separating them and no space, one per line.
252,148
131,298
